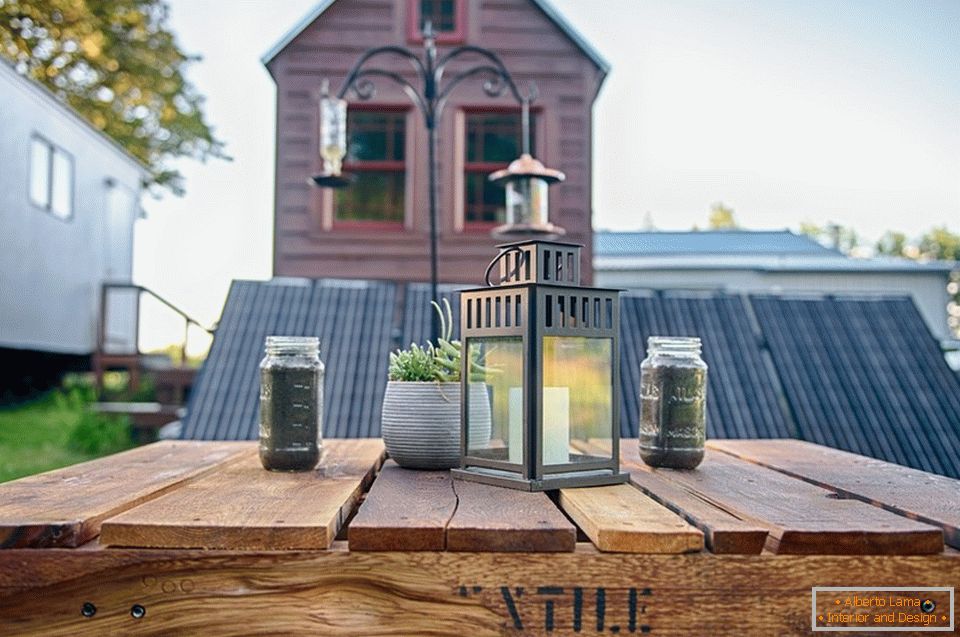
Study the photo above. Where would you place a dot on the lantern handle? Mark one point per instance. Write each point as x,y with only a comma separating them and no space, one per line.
496,259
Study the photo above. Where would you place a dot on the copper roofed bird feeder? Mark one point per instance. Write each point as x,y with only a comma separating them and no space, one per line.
526,181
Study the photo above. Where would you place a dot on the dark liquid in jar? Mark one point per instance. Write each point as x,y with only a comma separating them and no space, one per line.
673,416
289,418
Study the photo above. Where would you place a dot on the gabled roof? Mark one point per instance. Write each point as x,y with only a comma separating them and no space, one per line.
548,10
759,251
48,96
726,242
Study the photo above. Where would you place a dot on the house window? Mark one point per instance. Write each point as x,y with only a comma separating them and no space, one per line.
446,17
492,142
51,178
376,155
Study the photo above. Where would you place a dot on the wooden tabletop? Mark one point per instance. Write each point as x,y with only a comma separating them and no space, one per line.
177,503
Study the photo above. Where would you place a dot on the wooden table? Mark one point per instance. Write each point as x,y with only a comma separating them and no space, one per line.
194,537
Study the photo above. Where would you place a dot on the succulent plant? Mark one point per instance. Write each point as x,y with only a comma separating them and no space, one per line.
413,364
439,362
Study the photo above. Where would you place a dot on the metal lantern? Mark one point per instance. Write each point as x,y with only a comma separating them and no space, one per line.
526,181
540,374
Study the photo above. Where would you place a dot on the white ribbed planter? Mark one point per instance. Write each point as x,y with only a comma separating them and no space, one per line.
421,423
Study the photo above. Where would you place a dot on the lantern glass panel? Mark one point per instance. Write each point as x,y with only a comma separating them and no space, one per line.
495,430
527,201
577,399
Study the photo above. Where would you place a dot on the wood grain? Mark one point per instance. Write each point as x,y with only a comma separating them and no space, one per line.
430,593
723,531
801,518
909,492
242,506
405,510
490,518
66,507
621,518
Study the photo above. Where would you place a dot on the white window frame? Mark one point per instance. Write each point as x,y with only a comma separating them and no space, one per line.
47,204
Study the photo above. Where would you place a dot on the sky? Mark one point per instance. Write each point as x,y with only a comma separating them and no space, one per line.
844,111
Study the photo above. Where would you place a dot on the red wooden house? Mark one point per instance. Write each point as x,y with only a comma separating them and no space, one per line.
378,227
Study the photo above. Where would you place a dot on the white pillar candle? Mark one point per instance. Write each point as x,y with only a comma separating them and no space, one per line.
556,425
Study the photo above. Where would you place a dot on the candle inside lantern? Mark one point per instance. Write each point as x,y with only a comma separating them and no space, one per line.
556,425
333,131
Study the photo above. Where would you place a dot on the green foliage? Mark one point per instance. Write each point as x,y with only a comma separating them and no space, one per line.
413,364
440,362
938,244
115,63
892,243
842,238
722,217
99,434
42,434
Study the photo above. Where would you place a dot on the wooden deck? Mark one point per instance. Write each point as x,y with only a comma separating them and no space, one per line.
195,538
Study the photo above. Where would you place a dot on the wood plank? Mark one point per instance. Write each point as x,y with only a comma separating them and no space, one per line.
405,510
723,531
490,518
801,518
66,507
621,518
909,492
242,506
431,593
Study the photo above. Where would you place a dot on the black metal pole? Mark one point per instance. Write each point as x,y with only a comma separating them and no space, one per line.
430,103
434,267
431,115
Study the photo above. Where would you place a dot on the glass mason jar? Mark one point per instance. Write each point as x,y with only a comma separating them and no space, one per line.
291,403
673,403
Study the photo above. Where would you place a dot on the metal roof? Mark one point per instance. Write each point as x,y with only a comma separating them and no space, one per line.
549,10
742,400
858,374
865,376
726,242
760,251
353,320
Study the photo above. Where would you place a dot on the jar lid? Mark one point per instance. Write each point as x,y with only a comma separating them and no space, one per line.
674,344
307,345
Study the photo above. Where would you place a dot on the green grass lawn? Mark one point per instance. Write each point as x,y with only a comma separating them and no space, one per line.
57,430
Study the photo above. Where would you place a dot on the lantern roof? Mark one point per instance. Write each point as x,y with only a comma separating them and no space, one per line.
525,242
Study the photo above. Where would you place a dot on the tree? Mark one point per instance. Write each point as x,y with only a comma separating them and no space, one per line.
722,217
940,244
115,63
842,238
892,243
937,244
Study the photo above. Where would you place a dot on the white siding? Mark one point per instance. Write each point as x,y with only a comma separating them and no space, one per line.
51,268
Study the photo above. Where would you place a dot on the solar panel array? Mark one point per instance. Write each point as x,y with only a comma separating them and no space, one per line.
862,375
353,321
741,397
866,376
